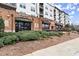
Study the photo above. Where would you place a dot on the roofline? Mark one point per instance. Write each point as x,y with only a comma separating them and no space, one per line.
58,9
8,5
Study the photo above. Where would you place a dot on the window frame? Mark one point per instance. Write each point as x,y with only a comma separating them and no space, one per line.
22,6
32,9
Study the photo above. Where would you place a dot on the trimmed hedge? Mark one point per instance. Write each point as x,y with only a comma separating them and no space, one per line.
1,42
8,40
1,24
29,36
3,34
11,38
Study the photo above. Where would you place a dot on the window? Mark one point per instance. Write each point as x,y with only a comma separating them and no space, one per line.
33,3
50,15
50,10
46,13
33,9
22,6
46,8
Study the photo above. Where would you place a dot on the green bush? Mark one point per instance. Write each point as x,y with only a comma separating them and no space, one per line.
10,39
60,33
55,33
44,34
29,36
1,42
3,34
1,24
7,40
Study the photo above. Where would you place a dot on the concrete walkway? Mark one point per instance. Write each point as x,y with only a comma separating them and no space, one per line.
68,48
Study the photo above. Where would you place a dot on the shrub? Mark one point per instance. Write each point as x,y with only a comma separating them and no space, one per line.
55,33
29,36
60,33
1,42
1,25
3,34
10,39
44,34
7,40
14,38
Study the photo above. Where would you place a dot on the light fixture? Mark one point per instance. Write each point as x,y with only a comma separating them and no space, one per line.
8,15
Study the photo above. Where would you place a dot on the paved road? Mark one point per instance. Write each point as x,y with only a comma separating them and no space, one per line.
68,48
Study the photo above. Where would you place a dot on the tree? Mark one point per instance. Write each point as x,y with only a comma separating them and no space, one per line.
1,25
72,27
67,28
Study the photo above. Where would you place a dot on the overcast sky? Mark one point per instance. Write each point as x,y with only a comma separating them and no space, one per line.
72,9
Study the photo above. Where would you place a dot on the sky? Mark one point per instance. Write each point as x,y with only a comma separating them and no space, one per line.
72,9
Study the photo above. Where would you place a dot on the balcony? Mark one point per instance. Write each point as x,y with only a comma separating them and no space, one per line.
58,23
40,15
41,5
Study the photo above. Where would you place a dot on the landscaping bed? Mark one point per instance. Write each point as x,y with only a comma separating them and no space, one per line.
7,38
25,46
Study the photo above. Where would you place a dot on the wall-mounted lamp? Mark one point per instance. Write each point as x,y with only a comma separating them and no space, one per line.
8,16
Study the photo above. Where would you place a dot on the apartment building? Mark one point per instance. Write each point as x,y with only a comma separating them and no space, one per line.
29,12
64,18
43,11
32,16
61,18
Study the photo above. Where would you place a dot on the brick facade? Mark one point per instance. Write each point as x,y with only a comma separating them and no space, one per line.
9,17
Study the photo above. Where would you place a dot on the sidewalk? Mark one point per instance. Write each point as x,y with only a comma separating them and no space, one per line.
68,48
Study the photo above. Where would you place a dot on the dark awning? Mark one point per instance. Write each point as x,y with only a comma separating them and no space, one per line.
22,19
46,21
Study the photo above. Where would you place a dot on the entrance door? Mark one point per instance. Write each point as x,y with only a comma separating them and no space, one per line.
45,26
23,25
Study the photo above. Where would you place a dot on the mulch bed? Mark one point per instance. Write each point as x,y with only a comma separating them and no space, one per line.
23,48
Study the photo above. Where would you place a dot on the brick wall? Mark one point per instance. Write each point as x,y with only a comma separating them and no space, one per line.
8,16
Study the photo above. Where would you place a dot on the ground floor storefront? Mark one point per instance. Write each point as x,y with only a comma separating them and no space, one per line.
19,23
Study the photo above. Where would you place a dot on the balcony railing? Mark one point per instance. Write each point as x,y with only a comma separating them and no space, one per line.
41,5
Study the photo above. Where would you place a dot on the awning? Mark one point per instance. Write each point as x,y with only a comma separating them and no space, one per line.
22,19
47,21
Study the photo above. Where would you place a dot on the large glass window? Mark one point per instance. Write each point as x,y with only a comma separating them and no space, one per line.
22,6
33,9
45,26
33,3
46,8
23,25
50,10
46,13
50,15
